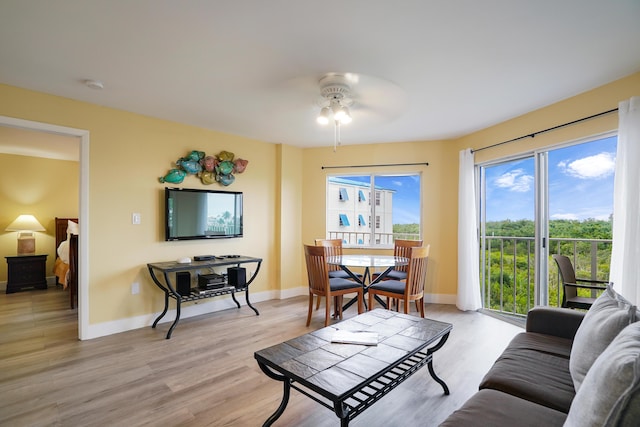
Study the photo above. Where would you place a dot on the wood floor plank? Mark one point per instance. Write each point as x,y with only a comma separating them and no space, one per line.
205,375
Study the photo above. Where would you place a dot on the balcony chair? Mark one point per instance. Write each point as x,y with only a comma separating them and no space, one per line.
410,289
570,285
321,286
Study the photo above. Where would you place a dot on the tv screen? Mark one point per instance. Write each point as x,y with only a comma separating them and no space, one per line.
202,214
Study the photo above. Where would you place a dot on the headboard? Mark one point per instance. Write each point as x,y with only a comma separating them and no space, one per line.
61,229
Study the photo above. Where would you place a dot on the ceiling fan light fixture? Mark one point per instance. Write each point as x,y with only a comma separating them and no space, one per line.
343,115
335,90
323,117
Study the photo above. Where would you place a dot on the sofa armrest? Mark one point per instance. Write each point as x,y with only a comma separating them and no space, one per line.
559,322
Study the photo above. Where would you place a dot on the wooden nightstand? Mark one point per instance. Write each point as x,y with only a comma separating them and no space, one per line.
26,271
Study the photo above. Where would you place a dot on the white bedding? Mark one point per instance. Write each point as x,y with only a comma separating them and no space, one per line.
63,248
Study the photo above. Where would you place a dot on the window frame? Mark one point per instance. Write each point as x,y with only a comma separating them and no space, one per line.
360,188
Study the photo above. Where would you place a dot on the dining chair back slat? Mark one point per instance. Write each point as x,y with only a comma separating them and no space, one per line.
321,285
410,289
402,248
332,247
417,272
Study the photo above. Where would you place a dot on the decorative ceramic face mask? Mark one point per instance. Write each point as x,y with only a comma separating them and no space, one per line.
174,176
209,163
226,179
240,165
209,169
208,177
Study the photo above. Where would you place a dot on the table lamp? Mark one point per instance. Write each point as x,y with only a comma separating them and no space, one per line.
25,225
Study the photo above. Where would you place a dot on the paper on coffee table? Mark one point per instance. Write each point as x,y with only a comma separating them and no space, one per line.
355,337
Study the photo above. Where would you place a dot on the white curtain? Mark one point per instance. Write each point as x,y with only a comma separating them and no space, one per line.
468,250
625,253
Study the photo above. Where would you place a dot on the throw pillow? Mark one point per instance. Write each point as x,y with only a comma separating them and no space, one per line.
608,315
610,393
72,228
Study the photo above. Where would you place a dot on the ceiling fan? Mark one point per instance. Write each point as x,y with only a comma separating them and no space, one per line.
372,100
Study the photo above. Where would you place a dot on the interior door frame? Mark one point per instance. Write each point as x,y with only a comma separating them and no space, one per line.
83,246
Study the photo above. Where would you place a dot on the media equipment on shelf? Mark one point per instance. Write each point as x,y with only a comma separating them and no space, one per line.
183,283
237,276
211,281
204,257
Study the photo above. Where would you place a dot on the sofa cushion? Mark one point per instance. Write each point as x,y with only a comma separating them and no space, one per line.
610,392
494,408
534,367
608,315
559,322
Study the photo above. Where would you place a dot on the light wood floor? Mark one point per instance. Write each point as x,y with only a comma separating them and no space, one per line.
205,375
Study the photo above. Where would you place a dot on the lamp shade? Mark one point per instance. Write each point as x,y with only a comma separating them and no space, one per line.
25,223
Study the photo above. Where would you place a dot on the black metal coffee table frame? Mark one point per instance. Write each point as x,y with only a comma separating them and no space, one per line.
353,402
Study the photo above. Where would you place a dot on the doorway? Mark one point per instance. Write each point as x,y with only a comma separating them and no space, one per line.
83,209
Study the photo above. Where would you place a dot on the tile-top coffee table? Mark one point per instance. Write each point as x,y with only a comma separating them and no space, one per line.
348,378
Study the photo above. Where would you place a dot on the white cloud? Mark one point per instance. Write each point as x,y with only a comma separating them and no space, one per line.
593,167
564,216
515,180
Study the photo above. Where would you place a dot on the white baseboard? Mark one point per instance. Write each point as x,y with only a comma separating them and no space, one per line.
440,299
213,305
210,305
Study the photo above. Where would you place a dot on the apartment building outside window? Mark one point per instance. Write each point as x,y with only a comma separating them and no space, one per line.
396,211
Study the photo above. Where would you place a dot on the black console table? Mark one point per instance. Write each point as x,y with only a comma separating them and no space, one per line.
168,269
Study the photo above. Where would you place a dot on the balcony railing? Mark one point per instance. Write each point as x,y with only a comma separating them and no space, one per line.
363,238
507,267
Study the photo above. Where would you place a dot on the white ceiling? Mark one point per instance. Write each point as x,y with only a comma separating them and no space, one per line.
428,69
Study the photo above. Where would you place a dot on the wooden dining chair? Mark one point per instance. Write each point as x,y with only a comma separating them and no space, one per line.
401,248
333,247
410,289
571,284
321,286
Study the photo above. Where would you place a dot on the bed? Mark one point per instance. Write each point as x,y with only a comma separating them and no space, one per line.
66,265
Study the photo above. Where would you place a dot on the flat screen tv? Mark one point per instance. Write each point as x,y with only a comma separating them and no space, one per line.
202,214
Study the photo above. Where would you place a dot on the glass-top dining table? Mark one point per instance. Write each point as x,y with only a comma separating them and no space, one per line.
367,263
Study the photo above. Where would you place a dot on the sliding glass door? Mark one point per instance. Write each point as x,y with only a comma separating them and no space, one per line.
507,212
552,201
580,210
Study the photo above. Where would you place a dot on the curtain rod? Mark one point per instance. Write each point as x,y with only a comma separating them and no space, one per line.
533,135
374,166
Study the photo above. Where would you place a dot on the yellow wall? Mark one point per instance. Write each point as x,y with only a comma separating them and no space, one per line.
586,104
44,188
128,152
291,262
439,195
284,190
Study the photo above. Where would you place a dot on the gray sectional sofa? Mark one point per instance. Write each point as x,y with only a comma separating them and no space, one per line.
569,368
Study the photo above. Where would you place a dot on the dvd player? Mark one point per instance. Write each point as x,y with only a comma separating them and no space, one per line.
211,281
204,257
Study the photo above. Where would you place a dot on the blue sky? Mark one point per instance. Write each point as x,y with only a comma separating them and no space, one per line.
580,184
406,199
